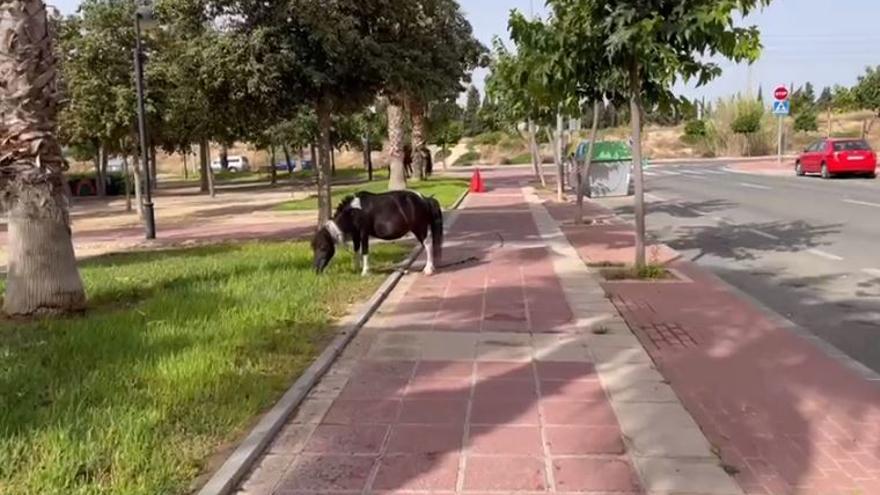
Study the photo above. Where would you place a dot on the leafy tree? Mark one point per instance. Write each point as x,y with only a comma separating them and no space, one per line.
658,42
444,125
867,95
42,276
471,117
747,121
825,99
806,121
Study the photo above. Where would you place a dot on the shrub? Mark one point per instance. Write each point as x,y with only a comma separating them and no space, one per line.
489,138
85,184
695,129
522,158
806,121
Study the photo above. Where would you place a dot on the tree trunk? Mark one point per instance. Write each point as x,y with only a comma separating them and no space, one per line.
287,159
584,174
397,175
325,121
830,121
537,162
313,155
224,158
42,276
635,88
445,155
332,160
560,161
185,170
126,174
101,172
273,174
419,136
204,167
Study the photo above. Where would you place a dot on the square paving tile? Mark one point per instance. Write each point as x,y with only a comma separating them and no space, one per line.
268,473
583,390
291,439
494,370
506,390
421,472
578,413
439,388
566,371
340,439
584,440
344,412
512,440
451,411
496,411
594,475
326,472
425,439
444,369
504,474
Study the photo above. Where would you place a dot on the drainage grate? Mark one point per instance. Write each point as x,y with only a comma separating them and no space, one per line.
669,336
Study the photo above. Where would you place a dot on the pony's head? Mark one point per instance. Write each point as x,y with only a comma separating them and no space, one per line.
324,245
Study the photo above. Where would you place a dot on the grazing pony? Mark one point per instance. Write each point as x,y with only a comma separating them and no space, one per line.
387,216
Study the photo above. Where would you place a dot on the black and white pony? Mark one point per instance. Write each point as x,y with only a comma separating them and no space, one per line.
387,216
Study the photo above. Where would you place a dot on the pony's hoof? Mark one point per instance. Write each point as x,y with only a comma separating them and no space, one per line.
429,270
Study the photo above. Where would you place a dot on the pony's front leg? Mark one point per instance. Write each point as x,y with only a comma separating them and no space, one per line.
365,252
429,266
355,257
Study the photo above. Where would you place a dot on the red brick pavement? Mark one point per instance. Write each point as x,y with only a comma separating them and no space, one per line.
469,426
786,417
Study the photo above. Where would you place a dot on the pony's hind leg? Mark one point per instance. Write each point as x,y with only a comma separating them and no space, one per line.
365,252
429,265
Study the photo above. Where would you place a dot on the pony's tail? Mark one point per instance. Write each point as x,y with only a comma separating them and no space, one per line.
436,229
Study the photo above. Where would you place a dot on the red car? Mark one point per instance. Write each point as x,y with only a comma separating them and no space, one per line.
830,157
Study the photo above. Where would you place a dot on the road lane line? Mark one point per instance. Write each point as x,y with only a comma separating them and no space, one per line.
861,203
654,197
755,186
874,272
824,254
763,234
715,172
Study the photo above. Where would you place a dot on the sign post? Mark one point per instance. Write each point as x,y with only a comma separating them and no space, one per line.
781,108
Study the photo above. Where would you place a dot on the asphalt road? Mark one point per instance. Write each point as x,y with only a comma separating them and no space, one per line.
807,248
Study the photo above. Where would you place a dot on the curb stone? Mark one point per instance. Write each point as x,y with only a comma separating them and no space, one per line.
225,480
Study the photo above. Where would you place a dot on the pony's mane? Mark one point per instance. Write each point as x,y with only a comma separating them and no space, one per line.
345,203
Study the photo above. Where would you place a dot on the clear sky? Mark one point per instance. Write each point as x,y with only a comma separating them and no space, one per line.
825,42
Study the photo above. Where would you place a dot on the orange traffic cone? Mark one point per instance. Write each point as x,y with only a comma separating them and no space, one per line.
477,185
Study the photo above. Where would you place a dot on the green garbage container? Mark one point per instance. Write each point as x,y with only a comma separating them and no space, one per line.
611,170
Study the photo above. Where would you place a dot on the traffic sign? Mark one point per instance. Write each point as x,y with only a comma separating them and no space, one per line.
780,93
782,107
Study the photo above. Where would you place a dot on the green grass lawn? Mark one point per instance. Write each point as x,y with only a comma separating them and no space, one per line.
445,190
179,353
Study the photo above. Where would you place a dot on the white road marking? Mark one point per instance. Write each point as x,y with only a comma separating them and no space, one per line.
701,212
861,203
715,172
826,255
755,186
650,173
654,197
668,172
763,234
874,272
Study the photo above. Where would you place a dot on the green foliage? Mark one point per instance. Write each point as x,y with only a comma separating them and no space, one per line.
179,353
867,90
826,99
471,117
445,126
489,138
806,121
844,99
695,129
748,117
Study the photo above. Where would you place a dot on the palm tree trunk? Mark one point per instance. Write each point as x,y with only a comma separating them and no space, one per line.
584,174
419,136
636,120
325,122
397,175
42,277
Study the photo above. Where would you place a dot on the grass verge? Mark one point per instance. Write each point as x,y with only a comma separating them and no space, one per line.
178,354
445,190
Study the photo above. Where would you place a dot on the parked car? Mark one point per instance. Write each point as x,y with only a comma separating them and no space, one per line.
236,164
115,165
829,157
297,165
282,165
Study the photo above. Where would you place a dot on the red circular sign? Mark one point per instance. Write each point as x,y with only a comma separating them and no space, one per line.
781,93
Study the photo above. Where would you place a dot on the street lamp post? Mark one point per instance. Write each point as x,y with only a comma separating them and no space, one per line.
143,14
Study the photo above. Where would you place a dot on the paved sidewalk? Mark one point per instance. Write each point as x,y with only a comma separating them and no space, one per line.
513,374
788,414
